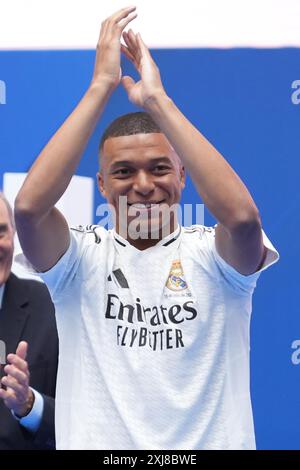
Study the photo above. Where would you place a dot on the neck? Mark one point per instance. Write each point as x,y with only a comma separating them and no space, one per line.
143,243
147,240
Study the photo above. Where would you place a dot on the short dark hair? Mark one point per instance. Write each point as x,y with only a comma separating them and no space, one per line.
130,124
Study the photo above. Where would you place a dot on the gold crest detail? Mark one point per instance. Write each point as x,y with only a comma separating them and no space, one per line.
176,281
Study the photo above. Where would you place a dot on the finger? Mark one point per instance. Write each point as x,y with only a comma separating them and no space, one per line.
103,30
124,35
111,22
12,401
129,47
127,83
22,349
20,376
3,393
18,362
142,46
126,39
7,395
132,40
126,52
120,14
19,390
123,23
133,46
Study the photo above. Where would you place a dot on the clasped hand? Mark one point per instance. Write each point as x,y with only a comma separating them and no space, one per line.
17,395
107,68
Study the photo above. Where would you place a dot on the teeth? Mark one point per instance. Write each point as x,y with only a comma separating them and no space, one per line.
142,206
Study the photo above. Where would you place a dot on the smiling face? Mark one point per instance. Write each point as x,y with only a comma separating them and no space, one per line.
145,169
6,243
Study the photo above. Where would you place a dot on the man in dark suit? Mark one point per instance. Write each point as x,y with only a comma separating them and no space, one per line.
28,381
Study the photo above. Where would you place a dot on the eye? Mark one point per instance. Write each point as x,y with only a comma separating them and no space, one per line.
3,234
161,168
3,229
122,172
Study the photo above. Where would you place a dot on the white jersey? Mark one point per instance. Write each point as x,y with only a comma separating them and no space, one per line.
154,344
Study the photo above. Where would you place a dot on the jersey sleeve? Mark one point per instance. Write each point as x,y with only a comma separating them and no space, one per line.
62,274
244,284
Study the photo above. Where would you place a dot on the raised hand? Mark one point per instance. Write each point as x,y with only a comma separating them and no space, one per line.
141,92
18,397
107,65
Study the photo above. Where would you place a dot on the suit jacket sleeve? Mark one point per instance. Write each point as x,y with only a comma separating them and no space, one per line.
45,435
28,314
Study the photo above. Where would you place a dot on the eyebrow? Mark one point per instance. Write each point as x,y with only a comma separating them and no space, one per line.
130,163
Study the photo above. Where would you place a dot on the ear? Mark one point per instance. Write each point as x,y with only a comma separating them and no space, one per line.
182,176
100,183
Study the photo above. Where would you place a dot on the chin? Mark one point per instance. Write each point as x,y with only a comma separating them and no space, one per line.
146,230
3,278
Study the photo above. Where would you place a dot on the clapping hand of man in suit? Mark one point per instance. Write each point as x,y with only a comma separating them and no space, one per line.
16,394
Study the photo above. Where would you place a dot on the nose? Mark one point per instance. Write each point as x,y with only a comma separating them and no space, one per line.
143,183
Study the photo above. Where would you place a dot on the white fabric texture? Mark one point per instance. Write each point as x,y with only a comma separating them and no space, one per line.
154,344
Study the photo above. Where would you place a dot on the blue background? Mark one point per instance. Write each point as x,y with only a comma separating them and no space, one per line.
241,100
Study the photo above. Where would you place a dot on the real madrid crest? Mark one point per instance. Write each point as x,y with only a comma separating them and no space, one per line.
176,281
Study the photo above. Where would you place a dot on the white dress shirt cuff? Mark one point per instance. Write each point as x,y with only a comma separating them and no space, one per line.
32,421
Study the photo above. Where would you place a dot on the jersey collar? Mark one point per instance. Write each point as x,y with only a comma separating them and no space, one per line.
166,241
